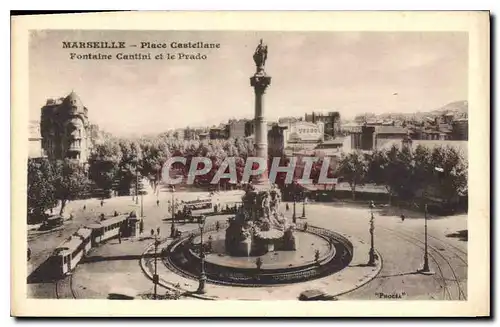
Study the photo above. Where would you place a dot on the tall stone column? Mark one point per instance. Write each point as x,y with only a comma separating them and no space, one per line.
260,81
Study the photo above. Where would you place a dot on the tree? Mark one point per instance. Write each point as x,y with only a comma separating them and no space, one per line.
130,165
70,181
423,173
41,190
353,169
392,168
449,173
103,164
155,153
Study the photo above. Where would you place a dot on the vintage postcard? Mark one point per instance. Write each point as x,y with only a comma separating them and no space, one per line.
310,164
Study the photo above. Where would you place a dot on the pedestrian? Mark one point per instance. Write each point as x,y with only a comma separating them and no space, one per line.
141,227
158,231
157,203
402,217
152,232
102,203
210,239
120,237
287,207
84,207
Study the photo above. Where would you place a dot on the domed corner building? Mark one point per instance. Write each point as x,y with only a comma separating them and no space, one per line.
65,129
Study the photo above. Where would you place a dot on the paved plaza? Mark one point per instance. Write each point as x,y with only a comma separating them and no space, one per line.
400,245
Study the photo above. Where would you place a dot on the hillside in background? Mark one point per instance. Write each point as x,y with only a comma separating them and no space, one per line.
454,107
459,109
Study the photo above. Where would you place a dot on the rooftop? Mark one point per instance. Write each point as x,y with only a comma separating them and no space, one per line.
331,143
391,130
72,242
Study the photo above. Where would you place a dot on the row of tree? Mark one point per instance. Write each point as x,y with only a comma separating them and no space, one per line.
117,164
440,172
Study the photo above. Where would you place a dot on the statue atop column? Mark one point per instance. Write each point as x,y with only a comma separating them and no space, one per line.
260,57
260,81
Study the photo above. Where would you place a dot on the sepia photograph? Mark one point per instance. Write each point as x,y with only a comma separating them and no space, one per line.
259,165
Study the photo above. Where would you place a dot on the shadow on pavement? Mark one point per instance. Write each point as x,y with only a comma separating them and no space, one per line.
45,273
394,211
99,258
400,274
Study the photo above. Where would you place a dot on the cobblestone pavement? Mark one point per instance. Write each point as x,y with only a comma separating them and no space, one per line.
400,244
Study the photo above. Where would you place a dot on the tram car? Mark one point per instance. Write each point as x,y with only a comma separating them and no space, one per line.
107,229
70,252
195,208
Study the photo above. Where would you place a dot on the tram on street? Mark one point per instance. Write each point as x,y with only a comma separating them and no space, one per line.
199,207
195,208
71,251
107,229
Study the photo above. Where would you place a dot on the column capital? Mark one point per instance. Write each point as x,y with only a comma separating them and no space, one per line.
260,82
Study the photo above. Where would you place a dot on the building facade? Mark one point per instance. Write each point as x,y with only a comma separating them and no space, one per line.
219,133
277,140
303,132
330,120
240,128
385,133
65,129
460,129
35,140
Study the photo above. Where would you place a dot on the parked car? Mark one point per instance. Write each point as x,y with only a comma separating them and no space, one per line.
122,294
316,295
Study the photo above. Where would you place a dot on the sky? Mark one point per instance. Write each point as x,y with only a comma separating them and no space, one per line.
349,72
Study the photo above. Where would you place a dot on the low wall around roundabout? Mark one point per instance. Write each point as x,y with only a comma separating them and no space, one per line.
180,258
351,277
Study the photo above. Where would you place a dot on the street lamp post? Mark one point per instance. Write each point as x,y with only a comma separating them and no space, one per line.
172,227
203,277
155,276
371,261
425,269
294,190
304,207
136,186
142,206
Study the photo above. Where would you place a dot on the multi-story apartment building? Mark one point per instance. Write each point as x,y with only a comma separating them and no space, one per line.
65,129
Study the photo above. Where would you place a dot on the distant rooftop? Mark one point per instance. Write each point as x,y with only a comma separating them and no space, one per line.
391,130
337,141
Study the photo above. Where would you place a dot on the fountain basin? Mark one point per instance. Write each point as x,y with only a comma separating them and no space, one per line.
278,267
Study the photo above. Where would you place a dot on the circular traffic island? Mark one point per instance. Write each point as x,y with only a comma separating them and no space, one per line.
320,252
